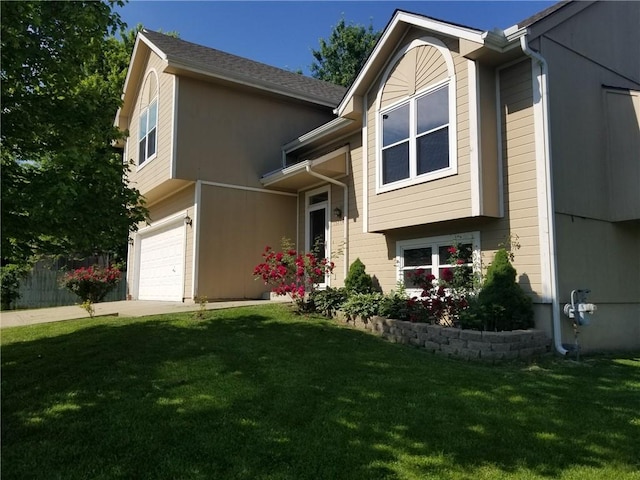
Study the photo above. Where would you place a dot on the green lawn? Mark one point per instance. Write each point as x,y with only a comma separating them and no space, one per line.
259,393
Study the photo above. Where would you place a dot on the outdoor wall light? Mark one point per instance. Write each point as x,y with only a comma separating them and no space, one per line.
337,212
188,221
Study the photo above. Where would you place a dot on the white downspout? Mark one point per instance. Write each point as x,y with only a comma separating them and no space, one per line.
553,259
345,213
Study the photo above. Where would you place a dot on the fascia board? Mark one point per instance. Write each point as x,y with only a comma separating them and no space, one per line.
412,20
134,56
316,134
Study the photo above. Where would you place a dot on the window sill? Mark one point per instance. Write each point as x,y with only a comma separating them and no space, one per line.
146,162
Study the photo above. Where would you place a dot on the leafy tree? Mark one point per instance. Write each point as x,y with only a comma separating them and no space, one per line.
64,185
343,54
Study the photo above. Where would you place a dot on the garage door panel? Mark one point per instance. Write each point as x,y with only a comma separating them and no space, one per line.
161,270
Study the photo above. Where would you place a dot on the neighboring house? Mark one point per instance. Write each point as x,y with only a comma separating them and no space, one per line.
448,135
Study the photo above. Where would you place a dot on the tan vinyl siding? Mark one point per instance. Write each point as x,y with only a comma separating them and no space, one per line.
234,135
236,225
156,170
519,176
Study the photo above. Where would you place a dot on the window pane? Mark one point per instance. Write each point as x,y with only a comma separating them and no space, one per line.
317,232
151,143
153,114
415,257
319,198
433,151
395,163
395,125
143,126
433,110
408,277
465,254
444,255
142,151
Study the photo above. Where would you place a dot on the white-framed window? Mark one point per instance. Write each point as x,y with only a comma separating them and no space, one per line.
432,256
416,109
147,132
415,137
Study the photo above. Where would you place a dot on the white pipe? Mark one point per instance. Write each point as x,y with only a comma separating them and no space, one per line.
553,259
345,213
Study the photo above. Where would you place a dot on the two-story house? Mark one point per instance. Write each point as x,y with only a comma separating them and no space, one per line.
449,134
203,128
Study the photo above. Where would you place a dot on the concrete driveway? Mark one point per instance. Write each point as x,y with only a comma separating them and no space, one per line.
126,308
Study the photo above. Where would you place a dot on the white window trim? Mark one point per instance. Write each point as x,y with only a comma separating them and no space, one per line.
156,99
453,133
155,154
434,242
307,240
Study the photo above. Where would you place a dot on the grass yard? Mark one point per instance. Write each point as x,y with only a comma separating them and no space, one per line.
259,393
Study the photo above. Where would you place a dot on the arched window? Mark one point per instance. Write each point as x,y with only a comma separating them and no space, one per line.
148,124
416,107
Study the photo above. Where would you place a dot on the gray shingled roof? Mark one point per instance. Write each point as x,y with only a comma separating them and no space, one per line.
542,14
233,67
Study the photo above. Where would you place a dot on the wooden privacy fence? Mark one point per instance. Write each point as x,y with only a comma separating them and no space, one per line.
42,289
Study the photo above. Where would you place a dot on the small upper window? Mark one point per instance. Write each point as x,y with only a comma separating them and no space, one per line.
415,137
147,136
416,104
148,119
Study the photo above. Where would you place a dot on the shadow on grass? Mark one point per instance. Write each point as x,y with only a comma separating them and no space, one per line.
258,394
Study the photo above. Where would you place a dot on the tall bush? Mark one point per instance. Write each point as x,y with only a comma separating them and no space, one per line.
291,273
358,280
503,303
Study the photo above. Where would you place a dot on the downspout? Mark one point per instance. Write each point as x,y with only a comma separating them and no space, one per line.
345,213
551,232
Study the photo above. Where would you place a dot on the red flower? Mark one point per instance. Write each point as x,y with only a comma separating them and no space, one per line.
446,275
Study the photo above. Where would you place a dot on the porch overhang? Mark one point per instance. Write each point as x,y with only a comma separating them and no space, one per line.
300,176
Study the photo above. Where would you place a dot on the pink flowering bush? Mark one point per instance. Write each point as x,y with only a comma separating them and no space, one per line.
289,272
91,284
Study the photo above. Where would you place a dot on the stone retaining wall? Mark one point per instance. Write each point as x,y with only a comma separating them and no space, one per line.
455,342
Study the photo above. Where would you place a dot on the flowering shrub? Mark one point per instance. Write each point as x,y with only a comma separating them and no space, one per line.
289,272
91,284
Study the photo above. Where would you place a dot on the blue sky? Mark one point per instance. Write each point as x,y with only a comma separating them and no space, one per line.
283,33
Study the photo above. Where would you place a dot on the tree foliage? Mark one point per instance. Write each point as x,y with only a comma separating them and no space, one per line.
342,55
64,185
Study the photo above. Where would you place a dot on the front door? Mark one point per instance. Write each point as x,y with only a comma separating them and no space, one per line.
317,231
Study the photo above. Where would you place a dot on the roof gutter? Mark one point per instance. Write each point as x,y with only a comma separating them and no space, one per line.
551,233
345,212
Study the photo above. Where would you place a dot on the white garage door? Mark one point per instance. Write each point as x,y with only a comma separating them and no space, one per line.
162,264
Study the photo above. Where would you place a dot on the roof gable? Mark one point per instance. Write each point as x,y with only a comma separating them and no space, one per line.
183,55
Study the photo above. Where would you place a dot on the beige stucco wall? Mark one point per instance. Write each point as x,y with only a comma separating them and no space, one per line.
235,135
156,170
235,226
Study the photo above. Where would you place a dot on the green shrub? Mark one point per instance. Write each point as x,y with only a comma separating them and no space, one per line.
502,304
358,281
363,305
328,301
10,276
